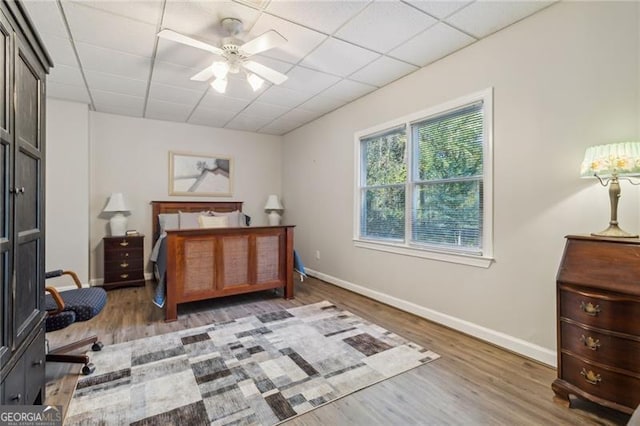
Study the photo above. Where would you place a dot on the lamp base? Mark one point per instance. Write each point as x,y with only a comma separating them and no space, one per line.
118,223
613,231
274,218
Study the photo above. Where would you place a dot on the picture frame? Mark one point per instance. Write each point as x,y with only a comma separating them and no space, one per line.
200,175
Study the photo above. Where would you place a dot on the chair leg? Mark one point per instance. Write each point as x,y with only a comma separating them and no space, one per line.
60,355
74,345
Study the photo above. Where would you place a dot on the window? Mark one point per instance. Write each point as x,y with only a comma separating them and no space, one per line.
424,183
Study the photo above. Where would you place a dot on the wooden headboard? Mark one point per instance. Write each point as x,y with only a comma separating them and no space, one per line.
158,207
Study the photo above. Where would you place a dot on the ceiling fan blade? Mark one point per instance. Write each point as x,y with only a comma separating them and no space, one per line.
265,72
203,75
180,38
263,42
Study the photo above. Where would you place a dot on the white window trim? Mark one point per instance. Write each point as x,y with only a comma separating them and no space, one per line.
486,258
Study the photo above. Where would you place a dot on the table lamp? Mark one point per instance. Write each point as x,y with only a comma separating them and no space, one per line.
273,207
610,163
118,221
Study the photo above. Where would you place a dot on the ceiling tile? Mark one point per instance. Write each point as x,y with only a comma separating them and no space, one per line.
67,75
440,9
61,51
201,19
214,100
308,81
278,95
276,64
104,29
68,92
249,123
211,117
46,17
338,57
300,40
435,43
117,103
325,16
176,75
143,11
486,17
280,127
349,90
113,62
383,25
383,71
160,110
323,103
177,95
264,110
114,83
300,115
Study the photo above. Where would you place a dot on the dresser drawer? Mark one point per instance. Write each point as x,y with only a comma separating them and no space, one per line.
616,313
114,243
601,347
124,264
121,276
597,381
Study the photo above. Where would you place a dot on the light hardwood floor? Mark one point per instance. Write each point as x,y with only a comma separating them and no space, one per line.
473,383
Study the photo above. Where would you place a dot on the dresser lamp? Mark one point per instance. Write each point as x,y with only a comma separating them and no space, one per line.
118,221
273,207
610,163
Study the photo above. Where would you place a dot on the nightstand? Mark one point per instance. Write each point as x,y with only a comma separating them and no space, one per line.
123,261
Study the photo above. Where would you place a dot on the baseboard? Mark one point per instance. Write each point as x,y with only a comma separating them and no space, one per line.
99,281
511,343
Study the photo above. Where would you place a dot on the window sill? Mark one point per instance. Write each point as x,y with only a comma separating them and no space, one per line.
459,258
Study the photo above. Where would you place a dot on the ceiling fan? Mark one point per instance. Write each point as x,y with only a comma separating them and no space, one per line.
234,56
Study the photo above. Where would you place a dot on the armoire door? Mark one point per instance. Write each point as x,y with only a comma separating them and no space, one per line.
6,171
28,193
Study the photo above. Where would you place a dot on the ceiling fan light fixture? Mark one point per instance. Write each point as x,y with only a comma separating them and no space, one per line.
255,81
219,85
220,69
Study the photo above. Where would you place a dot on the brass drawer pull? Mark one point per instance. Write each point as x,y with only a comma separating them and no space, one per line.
124,243
124,265
590,342
124,275
590,309
17,397
38,362
591,377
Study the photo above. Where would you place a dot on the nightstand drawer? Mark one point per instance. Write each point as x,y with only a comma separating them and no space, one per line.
114,243
120,276
601,311
123,255
601,346
601,382
126,264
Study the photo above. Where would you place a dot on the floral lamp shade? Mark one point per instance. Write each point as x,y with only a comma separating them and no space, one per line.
619,159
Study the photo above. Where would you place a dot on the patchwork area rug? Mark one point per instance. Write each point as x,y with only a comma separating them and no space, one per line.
261,369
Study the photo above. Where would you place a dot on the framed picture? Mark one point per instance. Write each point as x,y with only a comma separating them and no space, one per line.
200,175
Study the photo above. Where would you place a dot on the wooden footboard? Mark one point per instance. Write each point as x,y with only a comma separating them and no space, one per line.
208,263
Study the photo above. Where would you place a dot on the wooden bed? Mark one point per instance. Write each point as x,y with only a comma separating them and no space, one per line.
209,263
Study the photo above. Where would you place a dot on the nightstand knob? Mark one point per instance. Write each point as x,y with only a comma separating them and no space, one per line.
124,243
590,342
591,377
124,264
124,275
590,309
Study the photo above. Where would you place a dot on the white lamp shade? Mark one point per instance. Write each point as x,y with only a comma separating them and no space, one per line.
116,203
273,203
621,159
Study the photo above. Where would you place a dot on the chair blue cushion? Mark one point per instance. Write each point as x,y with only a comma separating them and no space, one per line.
61,320
85,302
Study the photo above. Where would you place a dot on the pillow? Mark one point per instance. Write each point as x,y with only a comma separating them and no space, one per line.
168,221
189,220
213,221
236,218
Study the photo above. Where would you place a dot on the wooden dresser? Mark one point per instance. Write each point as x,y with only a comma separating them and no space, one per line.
123,261
598,302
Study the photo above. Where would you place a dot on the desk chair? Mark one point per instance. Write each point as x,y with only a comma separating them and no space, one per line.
66,307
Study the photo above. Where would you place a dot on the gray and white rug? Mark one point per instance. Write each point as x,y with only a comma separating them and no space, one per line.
261,369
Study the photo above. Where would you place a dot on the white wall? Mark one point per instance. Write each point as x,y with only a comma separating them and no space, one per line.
563,79
131,155
67,189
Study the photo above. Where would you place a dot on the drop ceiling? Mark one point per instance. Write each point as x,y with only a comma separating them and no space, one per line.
107,54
